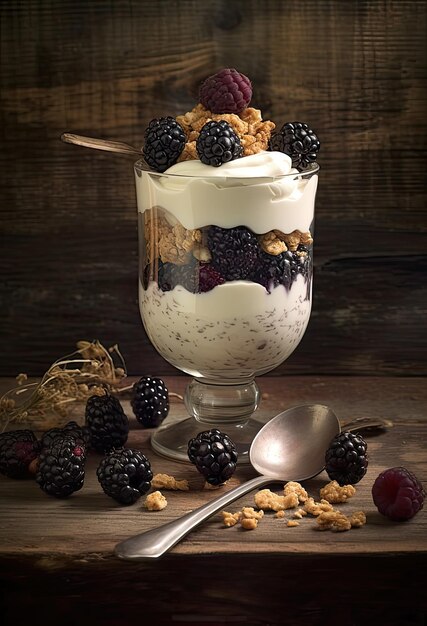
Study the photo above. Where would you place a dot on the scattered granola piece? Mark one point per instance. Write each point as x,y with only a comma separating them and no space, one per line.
164,481
357,519
333,520
333,492
316,508
155,501
249,523
230,519
280,514
299,514
267,500
292,523
294,487
248,512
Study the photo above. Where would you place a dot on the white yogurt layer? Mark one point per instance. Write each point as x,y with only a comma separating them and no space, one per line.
235,331
261,192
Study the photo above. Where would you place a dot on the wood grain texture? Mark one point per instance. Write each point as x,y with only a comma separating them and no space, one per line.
355,71
62,550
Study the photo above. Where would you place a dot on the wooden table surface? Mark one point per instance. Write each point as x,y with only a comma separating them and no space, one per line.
62,550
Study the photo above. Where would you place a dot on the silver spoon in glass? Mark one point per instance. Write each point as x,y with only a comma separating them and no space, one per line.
291,446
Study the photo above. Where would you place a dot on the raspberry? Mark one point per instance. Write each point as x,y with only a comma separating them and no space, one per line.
164,140
150,401
398,494
217,143
298,141
209,278
227,91
235,251
214,455
346,460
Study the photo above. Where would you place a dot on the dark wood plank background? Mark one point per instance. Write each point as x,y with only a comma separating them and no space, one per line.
354,70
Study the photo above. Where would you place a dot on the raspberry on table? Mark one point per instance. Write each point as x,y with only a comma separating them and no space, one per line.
150,401
298,141
398,494
214,455
164,140
217,143
227,91
125,475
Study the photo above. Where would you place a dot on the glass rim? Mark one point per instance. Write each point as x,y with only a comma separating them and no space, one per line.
140,166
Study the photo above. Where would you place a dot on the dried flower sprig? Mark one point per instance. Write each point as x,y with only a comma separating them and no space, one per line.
90,370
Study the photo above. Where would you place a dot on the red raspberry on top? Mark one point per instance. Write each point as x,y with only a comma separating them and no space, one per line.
398,494
227,91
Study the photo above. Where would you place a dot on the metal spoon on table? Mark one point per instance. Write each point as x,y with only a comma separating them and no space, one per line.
291,446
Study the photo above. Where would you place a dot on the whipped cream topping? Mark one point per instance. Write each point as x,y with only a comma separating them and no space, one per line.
261,192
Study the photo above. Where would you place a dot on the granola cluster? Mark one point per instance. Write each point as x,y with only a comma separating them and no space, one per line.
155,501
254,133
294,495
172,243
164,481
275,242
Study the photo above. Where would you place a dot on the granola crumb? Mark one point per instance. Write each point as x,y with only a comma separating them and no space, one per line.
230,519
249,523
164,481
155,501
280,514
333,492
357,519
316,508
299,514
292,523
248,512
294,487
333,520
269,501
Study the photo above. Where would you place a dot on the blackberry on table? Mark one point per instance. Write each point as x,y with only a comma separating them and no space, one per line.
150,401
217,143
398,494
18,448
61,467
214,455
164,140
235,251
346,460
298,141
227,91
125,475
107,423
81,433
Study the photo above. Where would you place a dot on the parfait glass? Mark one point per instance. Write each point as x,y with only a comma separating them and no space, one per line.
225,284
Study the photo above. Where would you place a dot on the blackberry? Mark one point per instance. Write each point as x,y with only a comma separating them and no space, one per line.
81,433
170,275
299,261
209,278
61,467
125,475
17,449
107,423
150,401
298,141
227,91
217,143
398,494
164,140
271,271
235,251
346,460
214,455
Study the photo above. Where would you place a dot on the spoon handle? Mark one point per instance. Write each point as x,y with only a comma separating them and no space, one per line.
154,543
362,423
100,144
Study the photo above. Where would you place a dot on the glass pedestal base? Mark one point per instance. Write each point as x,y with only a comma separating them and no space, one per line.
228,407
